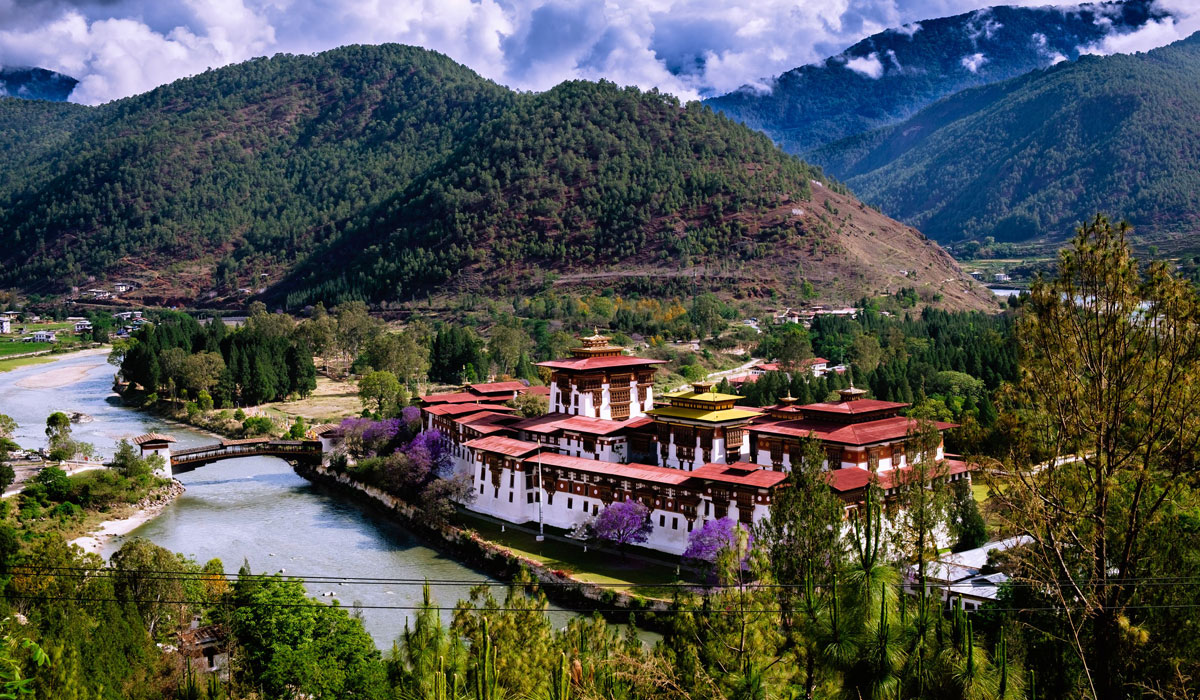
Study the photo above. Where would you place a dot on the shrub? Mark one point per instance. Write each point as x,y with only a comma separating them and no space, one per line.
258,425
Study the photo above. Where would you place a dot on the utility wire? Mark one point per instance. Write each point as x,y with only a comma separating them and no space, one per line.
168,574
317,604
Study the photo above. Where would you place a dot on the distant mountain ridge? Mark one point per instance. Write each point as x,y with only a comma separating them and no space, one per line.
1032,157
890,76
36,84
390,173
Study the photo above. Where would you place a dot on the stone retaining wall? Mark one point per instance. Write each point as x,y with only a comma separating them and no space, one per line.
493,559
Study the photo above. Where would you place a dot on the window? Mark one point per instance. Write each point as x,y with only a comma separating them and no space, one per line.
595,510
674,523
512,480
529,498
481,489
482,473
570,503
497,493
662,520
510,497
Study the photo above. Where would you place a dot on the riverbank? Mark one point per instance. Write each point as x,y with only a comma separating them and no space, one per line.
468,547
140,513
10,363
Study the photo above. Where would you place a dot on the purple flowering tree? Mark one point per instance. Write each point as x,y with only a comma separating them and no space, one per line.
365,436
428,452
707,542
623,522
411,415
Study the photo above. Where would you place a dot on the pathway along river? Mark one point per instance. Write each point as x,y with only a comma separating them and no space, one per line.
254,508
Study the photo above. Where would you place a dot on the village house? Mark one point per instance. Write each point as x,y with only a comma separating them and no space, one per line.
83,326
692,456
5,326
42,337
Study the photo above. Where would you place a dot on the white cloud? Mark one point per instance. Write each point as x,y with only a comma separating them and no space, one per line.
868,65
974,62
1183,22
690,48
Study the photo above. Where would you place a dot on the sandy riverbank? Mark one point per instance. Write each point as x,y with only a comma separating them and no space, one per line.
146,511
62,376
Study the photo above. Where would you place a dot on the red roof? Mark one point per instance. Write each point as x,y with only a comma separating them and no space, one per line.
541,424
487,421
866,433
592,426
503,445
815,361
497,387
553,422
539,390
460,409
454,397
584,364
768,366
949,467
641,472
854,478
853,408
850,479
742,473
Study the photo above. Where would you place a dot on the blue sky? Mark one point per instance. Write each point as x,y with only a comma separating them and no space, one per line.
687,47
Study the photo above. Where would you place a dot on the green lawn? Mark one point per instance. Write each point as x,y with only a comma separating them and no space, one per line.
591,566
8,348
8,365
980,492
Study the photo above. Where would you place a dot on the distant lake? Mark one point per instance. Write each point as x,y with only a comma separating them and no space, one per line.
1005,292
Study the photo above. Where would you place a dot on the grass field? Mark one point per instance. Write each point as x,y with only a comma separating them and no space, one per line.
8,348
331,401
592,567
10,364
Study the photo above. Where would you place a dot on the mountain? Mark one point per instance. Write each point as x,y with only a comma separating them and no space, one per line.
391,173
891,75
36,84
1033,156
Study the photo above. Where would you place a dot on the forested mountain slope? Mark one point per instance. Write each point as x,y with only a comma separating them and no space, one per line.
1034,156
891,75
603,184
391,173
245,167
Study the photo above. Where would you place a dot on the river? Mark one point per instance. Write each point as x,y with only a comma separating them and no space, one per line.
253,509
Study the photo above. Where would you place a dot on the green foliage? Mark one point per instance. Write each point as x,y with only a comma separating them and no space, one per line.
258,425
292,644
381,392
266,360
54,482
965,520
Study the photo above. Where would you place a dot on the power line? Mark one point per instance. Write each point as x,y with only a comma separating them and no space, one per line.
182,575
443,608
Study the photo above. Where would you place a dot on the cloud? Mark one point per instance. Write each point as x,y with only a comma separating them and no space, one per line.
974,62
868,65
692,48
1183,21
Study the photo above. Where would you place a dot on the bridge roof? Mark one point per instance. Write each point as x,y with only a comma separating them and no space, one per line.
152,437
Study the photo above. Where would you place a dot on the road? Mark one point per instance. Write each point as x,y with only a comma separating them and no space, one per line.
727,372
